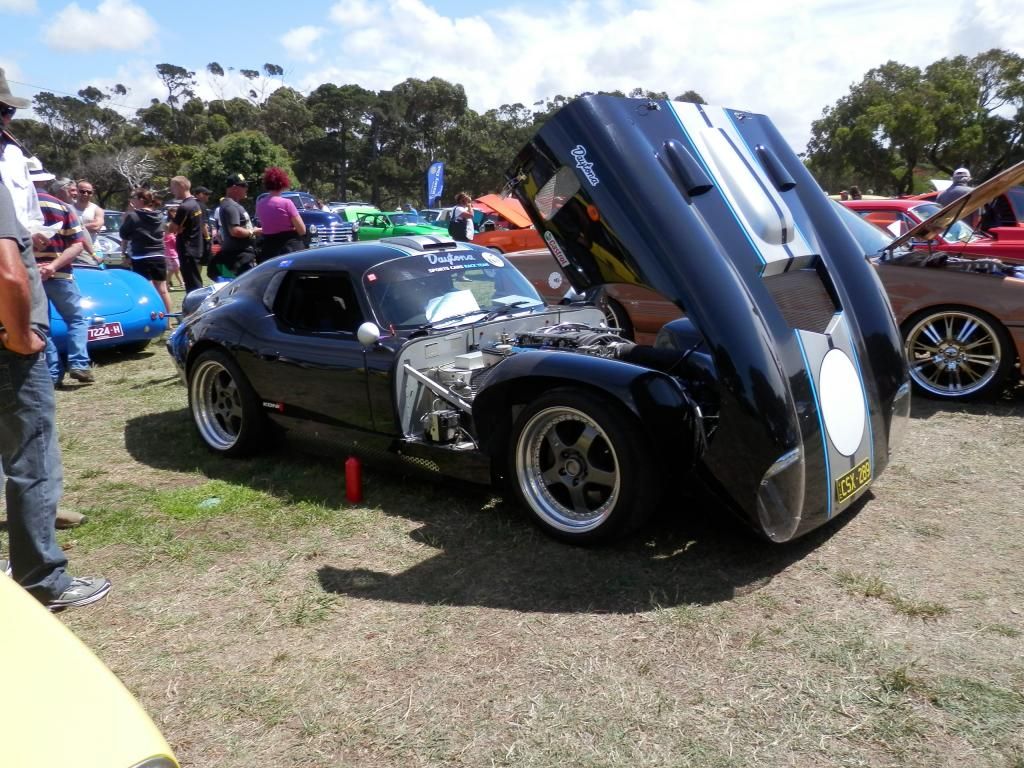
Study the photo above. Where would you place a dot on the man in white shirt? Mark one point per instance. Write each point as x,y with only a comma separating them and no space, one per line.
89,214
12,163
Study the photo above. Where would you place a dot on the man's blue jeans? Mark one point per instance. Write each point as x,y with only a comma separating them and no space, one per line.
35,477
66,299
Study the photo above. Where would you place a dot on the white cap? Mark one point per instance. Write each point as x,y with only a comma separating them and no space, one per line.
961,174
36,172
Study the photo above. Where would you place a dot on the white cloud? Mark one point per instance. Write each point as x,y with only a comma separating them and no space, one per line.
787,59
299,41
18,6
118,25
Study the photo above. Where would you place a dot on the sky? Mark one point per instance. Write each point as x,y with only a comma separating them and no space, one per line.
788,60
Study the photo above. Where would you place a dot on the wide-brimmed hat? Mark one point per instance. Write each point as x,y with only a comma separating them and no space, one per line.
36,172
8,98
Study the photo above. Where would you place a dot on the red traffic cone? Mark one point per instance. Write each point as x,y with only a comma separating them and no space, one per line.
353,480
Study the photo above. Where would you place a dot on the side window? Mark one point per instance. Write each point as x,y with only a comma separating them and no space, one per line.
318,302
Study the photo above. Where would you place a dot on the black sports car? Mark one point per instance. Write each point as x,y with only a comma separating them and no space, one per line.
782,388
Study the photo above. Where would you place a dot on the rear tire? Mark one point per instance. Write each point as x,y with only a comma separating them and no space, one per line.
578,464
224,407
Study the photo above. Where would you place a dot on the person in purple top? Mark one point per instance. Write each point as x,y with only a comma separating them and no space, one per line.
283,228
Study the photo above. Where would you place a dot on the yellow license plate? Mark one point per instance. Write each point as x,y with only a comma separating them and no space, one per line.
853,481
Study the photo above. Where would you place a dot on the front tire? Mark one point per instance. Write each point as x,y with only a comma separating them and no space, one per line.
224,406
955,353
577,463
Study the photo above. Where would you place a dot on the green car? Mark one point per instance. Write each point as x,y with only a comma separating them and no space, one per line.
373,226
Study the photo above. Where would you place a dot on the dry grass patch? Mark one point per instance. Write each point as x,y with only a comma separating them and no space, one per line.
262,620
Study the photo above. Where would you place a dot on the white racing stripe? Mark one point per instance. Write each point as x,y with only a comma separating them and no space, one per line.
738,175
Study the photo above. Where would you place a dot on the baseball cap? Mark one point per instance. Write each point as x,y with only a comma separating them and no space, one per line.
236,180
36,172
202,191
961,174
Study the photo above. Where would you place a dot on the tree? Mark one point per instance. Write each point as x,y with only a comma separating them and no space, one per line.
876,135
978,112
957,112
345,114
249,153
179,82
135,166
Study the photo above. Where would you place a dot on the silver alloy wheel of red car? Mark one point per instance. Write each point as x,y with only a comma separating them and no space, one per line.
567,469
956,353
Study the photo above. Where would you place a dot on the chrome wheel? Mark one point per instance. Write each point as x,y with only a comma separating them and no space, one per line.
227,413
616,317
956,353
567,469
217,405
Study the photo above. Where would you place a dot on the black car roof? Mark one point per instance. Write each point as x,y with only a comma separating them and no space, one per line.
360,256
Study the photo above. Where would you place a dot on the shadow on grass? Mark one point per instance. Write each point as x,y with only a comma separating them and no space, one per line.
1010,402
488,553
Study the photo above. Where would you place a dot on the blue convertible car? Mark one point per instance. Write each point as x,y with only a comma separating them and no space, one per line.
123,309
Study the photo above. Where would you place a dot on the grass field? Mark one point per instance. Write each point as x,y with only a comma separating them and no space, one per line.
261,620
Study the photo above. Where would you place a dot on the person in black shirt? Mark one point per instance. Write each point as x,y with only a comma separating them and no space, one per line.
203,196
237,254
188,226
143,227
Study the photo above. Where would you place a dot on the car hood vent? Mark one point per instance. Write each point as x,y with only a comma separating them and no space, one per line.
803,299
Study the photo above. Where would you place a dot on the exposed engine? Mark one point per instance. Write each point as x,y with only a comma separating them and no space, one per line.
443,394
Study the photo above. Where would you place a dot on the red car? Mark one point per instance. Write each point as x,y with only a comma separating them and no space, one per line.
1007,210
899,216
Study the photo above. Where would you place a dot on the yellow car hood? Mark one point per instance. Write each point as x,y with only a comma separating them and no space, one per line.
60,705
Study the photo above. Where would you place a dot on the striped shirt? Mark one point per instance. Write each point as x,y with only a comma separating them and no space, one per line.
70,232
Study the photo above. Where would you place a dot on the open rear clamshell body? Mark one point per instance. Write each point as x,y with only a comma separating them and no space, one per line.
712,209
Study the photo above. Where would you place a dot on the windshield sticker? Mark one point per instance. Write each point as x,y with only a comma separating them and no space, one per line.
556,249
457,267
555,281
494,261
587,168
450,258
371,277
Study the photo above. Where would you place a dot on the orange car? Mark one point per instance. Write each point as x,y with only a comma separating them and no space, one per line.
517,234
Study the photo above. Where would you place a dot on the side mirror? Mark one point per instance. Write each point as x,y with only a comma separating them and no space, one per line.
368,334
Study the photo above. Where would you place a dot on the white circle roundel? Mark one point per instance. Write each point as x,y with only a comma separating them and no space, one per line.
842,401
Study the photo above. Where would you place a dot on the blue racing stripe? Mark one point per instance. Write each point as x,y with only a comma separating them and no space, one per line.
821,424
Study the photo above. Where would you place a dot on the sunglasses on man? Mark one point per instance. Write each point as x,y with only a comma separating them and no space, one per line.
7,111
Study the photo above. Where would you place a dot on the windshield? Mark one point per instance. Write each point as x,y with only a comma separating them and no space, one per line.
403,218
432,287
1016,197
872,239
958,232
112,221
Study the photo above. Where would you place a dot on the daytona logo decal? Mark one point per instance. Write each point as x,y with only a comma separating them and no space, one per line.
587,168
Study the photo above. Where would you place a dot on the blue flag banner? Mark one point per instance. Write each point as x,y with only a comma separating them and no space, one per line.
435,183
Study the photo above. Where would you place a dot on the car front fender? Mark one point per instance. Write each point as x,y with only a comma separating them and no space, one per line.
669,417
